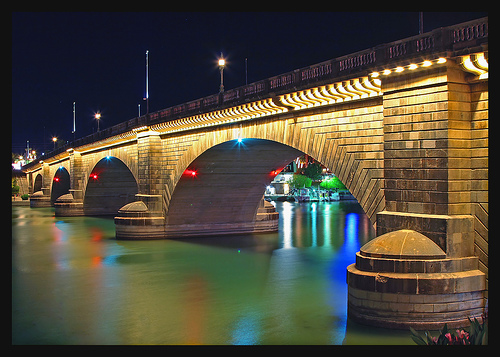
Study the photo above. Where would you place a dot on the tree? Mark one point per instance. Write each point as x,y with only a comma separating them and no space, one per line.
313,171
300,181
15,187
332,184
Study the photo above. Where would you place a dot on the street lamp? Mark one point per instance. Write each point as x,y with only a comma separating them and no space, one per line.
222,63
54,139
97,117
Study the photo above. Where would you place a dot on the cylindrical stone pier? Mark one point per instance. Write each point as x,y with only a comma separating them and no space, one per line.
402,279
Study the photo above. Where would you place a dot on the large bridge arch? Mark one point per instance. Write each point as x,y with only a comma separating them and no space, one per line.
348,140
110,185
223,186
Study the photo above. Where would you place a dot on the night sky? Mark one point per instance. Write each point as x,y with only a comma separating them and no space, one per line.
98,59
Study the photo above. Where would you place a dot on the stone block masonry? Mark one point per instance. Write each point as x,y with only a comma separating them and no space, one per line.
435,158
403,278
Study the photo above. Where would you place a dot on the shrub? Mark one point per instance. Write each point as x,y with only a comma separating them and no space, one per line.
300,181
333,183
15,187
313,171
477,335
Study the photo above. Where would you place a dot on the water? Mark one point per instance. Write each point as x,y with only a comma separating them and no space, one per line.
73,283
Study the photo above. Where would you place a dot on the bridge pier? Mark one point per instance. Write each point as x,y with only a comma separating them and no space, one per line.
403,278
396,282
144,218
137,221
40,198
141,219
429,182
71,204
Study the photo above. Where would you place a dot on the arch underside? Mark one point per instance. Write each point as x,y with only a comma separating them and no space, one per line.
111,185
60,184
221,189
37,186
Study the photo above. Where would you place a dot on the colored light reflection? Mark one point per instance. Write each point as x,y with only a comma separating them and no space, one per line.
96,261
246,331
351,242
97,234
60,231
287,215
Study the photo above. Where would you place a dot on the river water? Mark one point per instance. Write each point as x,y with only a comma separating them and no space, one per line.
74,283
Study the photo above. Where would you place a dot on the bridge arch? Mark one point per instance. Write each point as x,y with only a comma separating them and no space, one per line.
60,184
38,183
359,167
224,185
110,185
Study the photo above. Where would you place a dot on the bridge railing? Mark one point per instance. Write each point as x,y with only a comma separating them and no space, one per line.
452,38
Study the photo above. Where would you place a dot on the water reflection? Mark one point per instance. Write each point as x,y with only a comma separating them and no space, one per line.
73,283
322,224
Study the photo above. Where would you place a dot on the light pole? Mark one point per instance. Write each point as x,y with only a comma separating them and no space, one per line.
222,63
54,139
74,121
147,82
97,117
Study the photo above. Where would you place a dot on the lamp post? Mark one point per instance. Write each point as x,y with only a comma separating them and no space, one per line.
97,117
54,139
222,63
74,121
147,82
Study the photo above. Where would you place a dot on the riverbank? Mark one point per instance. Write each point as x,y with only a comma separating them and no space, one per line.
17,201
311,195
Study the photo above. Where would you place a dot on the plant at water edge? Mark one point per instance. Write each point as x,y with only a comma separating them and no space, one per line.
477,335
15,187
333,184
300,181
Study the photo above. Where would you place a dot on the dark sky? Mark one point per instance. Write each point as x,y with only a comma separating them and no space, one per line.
98,59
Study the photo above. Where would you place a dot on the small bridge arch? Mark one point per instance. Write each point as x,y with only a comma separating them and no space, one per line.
110,185
60,184
38,183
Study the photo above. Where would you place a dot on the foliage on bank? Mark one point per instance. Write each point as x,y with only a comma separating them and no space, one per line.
332,184
477,335
15,187
300,181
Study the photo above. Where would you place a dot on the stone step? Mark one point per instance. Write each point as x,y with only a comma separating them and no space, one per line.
371,264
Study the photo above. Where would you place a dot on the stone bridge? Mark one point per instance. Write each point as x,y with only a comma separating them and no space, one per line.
404,125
